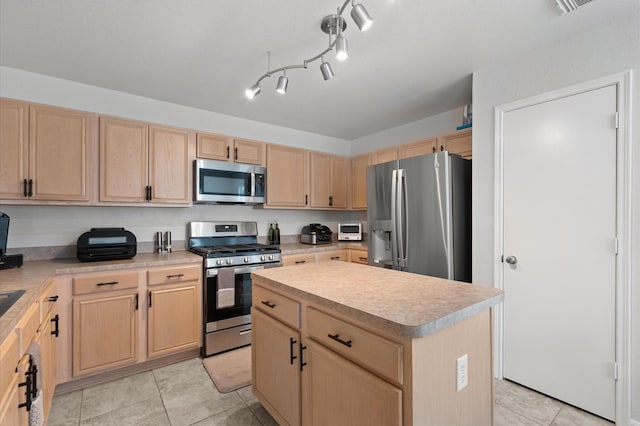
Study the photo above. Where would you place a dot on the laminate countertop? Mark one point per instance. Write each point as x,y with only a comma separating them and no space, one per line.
402,303
33,277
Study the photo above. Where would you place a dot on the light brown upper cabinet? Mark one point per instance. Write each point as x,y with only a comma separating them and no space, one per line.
45,152
143,163
287,177
359,181
427,146
384,155
456,142
328,181
226,148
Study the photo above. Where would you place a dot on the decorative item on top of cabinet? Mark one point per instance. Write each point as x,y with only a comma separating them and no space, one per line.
415,149
226,148
359,181
384,155
45,153
457,143
143,163
287,177
174,309
328,181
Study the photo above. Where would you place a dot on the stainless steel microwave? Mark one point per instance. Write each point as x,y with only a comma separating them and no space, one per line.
221,182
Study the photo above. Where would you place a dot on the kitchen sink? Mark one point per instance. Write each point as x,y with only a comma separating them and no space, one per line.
8,298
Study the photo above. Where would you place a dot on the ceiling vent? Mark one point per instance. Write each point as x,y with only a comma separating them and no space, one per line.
567,6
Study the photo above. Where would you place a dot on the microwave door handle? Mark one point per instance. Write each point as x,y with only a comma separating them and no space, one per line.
253,184
394,227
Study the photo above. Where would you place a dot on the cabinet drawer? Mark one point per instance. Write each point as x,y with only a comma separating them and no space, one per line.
173,275
279,307
8,360
366,349
298,259
104,282
342,255
359,256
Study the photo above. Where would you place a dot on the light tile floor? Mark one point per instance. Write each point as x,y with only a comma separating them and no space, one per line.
183,394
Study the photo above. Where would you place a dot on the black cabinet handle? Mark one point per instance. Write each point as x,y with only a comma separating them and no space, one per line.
24,187
292,342
150,304
330,201
300,261
56,321
149,193
30,191
109,283
306,199
228,152
433,149
53,298
441,148
236,154
364,259
30,383
335,257
175,276
137,300
302,363
337,338
266,302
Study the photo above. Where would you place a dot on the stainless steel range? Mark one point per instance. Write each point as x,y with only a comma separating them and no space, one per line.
231,252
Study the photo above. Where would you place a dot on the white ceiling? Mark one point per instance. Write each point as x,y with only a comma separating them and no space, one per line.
415,61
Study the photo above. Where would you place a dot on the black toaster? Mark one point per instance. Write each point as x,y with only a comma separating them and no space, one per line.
106,244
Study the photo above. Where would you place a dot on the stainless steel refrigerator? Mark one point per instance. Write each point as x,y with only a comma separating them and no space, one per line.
419,215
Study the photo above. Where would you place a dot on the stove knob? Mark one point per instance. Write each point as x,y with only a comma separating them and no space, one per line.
219,262
229,261
246,259
270,257
263,258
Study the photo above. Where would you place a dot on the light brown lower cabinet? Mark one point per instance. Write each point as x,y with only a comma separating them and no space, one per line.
320,256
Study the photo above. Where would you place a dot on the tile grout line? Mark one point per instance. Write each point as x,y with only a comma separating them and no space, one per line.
523,416
164,407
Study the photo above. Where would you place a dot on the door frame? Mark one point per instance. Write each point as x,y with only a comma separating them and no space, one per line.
623,81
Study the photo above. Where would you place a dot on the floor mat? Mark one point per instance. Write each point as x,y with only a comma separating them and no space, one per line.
230,370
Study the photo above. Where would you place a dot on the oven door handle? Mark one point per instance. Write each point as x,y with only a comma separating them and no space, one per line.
238,270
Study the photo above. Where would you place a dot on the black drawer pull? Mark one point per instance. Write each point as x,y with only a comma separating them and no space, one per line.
175,276
56,321
109,283
53,298
266,302
335,257
337,338
302,363
364,259
292,342
300,261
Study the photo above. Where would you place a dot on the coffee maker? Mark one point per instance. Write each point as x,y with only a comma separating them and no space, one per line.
7,260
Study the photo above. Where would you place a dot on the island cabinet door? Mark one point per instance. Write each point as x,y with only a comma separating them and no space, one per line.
276,367
338,392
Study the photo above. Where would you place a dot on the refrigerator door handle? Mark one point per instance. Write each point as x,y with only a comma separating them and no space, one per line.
394,227
404,230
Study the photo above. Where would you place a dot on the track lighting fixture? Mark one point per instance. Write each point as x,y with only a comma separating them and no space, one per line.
333,25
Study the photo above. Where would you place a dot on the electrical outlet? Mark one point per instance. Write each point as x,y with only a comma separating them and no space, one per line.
462,372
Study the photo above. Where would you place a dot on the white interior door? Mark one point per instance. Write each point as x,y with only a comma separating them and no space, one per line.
559,211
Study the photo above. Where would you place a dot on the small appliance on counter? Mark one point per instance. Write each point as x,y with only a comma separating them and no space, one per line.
315,233
106,244
350,231
7,260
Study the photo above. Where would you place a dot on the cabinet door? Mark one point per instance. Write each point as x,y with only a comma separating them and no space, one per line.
338,194
213,147
276,368
320,167
14,137
342,393
287,177
384,155
359,181
169,165
173,321
427,146
47,367
123,160
58,144
104,332
10,413
457,143
249,152
359,256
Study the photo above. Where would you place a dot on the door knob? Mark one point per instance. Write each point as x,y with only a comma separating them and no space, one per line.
511,260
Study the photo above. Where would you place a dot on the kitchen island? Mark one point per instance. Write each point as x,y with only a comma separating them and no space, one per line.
341,343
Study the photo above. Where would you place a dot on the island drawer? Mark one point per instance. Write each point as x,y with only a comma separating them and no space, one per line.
173,275
342,255
362,347
298,259
104,282
276,305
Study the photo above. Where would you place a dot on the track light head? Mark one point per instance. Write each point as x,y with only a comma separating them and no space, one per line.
361,17
342,48
283,82
252,91
325,69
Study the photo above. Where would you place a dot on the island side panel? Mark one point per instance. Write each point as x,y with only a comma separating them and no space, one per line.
434,399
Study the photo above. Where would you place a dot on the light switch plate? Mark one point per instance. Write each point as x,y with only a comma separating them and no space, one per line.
462,372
